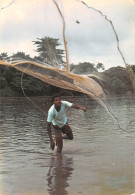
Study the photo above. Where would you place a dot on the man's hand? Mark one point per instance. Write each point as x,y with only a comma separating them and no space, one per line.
88,107
80,107
84,109
52,144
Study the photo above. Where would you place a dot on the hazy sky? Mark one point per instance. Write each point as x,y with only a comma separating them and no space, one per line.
91,40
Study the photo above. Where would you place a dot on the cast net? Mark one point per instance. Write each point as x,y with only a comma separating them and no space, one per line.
55,71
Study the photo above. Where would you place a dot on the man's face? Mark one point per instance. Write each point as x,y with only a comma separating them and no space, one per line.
57,101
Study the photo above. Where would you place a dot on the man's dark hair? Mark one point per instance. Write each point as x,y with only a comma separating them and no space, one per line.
54,96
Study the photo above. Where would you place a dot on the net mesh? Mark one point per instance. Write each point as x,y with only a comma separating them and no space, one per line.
60,78
54,73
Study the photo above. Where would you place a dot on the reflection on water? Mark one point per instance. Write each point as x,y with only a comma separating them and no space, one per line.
100,159
59,172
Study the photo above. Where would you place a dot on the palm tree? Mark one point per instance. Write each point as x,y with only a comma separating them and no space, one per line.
4,56
48,52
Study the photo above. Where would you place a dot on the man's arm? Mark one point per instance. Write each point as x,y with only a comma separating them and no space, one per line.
78,107
52,144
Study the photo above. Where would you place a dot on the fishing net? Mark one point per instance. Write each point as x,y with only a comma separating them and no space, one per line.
55,71
60,78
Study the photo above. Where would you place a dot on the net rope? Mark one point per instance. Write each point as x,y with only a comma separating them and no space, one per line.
64,78
112,26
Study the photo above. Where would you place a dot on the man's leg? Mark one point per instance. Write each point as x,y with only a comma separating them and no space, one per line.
68,131
59,140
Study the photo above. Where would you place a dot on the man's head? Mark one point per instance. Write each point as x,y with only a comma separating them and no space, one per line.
56,99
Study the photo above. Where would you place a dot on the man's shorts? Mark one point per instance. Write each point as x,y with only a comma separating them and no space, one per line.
65,130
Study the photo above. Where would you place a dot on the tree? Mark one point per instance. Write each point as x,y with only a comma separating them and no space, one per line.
116,81
131,74
133,68
100,66
3,56
83,68
48,52
21,55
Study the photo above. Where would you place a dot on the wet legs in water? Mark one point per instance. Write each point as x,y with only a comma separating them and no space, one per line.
59,136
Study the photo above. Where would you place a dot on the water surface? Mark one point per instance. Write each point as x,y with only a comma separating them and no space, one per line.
100,159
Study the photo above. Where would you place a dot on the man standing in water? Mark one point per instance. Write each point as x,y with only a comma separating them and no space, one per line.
57,117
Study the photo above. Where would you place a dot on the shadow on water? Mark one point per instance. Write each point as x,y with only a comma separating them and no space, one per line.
59,173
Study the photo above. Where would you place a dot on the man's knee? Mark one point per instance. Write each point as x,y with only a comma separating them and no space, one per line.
68,132
70,136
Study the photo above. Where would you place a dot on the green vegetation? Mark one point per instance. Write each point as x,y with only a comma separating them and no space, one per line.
131,75
116,80
48,51
83,68
11,85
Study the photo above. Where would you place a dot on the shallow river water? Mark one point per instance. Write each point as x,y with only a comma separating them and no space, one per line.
100,159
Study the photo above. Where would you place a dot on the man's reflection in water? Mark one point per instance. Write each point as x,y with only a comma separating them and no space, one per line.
61,168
